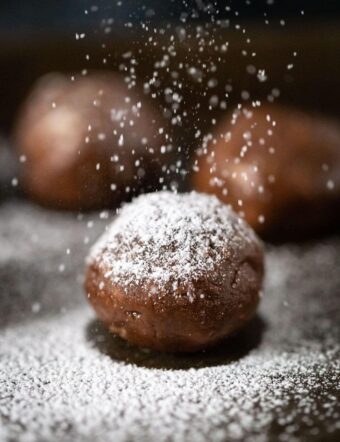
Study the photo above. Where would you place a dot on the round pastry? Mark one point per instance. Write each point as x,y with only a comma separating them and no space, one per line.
89,143
175,272
278,167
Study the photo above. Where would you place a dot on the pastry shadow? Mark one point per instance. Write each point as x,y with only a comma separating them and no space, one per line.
227,351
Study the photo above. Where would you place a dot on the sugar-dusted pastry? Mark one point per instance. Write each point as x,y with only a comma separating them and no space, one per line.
175,272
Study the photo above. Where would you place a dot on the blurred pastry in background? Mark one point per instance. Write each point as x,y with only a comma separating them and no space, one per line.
277,166
89,142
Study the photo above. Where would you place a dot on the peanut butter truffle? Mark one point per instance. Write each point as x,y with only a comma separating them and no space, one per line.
277,166
175,272
89,143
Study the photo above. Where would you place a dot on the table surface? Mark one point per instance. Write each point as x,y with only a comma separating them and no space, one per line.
64,378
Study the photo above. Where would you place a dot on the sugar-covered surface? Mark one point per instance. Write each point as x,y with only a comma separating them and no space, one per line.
167,237
63,378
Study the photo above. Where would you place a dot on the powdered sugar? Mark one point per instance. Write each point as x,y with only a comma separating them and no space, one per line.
166,237
64,378
56,386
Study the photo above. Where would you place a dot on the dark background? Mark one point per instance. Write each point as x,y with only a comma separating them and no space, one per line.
29,15
37,37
